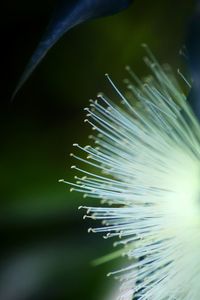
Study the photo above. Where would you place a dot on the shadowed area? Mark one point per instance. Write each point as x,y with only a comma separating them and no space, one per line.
193,48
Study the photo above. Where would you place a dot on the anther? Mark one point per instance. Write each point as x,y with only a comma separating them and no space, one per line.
127,68
61,180
87,147
100,95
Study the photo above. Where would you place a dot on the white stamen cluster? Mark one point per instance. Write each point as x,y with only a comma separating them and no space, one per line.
146,154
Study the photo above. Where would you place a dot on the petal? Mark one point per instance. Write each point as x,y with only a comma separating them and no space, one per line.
193,47
67,15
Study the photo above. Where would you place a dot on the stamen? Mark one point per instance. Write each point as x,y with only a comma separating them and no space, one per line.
146,162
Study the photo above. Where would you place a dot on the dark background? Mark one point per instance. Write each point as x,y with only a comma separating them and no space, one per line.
46,252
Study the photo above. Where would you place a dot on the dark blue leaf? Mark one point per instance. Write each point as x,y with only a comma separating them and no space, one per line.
193,48
68,14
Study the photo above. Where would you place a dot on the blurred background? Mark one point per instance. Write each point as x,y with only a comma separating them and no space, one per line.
46,252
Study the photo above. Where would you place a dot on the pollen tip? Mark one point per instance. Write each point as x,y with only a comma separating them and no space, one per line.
73,167
126,81
106,236
100,94
144,45
80,207
75,145
61,180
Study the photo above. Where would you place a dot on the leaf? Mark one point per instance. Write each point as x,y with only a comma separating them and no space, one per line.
67,15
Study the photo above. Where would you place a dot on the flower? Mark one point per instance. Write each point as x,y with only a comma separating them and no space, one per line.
147,170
